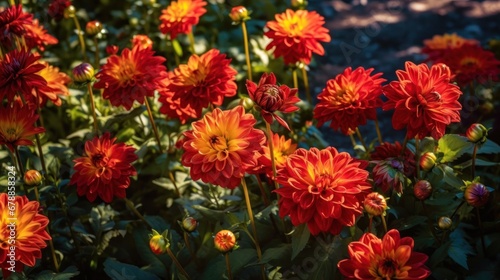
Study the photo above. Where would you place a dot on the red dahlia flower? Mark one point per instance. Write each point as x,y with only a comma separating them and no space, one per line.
471,63
323,188
56,81
296,35
105,169
204,80
17,126
180,16
221,147
57,7
269,98
389,258
424,100
439,45
30,234
350,99
132,76
19,74
13,21
142,41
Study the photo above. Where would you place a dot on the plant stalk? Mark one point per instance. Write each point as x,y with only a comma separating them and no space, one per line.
306,84
228,266
92,107
377,128
271,153
80,37
177,263
247,51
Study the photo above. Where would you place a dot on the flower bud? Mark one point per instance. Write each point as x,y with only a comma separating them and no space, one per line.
476,194
149,2
299,4
142,41
70,12
239,14
189,224
487,107
427,161
157,243
444,223
477,133
224,241
269,97
422,190
375,204
83,73
93,28
111,50
32,178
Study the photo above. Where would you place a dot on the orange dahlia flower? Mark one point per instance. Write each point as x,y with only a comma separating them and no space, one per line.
142,41
19,74
37,36
282,149
204,80
269,98
296,35
56,81
471,63
17,126
439,45
323,188
221,147
132,76
424,100
105,169
180,16
350,99
389,258
29,227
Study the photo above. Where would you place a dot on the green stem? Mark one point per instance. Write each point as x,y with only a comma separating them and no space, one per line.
294,77
191,41
403,147
80,37
228,267
262,191
306,84
384,223
480,224
417,156
96,54
271,153
353,141
177,263
247,52
92,107
132,208
473,166
370,224
252,222
358,133
53,251
188,245
377,128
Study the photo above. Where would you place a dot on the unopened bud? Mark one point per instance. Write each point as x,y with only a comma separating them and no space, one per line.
422,190
477,133
157,243
299,4
189,224
83,73
69,12
375,204
224,241
32,178
239,14
476,194
427,161
444,223
93,28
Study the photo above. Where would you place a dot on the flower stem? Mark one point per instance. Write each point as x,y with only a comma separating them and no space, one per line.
306,84
384,223
403,147
370,224
473,166
247,52
80,37
177,263
456,210
92,107
53,251
188,245
262,191
417,156
358,133
132,208
12,2
295,78
480,224
377,128
252,222
228,267
353,141
271,153
191,41
96,53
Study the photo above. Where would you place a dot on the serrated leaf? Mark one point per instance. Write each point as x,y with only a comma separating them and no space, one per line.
68,273
122,271
300,237
439,254
459,248
479,162
453,146
489,147
450,177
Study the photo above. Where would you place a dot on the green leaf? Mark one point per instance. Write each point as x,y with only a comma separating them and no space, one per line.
409,222
439,255
279,254
479,162
300,237
459,248
177,47
453,146
68,273
122,271
449,176
489,147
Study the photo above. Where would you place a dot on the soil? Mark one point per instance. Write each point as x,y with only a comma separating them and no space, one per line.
385,34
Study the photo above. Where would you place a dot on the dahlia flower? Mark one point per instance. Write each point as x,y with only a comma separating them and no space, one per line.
105,169
296,35
142,41
57,7
56,81
391,257
17,126
350,99
323,188
180,16
221,147
423,99
282,149
387,151
439,45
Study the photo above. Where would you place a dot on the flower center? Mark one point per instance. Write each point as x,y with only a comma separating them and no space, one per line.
99,160
294,26
469,62
125,73
11,132
387,268
218,143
